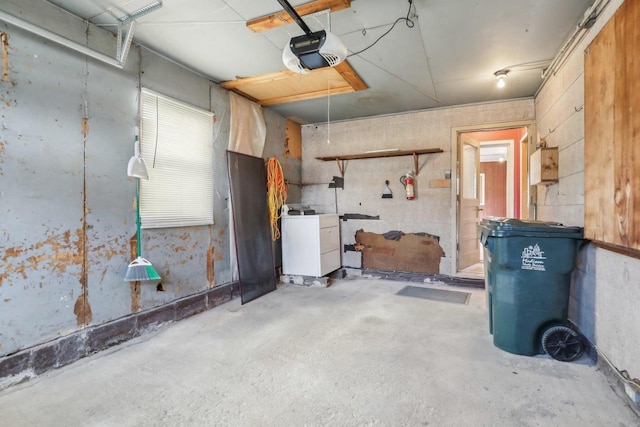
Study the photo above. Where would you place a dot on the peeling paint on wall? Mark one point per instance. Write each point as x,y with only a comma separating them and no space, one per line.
2,149
85,126
210,266
55,254
136,300
82,310
4,46
108,253
55,181
136,295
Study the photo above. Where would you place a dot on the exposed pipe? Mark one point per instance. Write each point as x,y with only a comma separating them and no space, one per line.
587,22
49,35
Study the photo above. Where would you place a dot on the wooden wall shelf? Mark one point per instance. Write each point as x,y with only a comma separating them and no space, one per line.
376,155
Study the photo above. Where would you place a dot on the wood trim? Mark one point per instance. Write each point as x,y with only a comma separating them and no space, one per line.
349,74
241,93
381,154
263,78
350,82
304,96
524,178
633,253
278,19
344,69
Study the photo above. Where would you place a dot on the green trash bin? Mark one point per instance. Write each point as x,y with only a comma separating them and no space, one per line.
528,267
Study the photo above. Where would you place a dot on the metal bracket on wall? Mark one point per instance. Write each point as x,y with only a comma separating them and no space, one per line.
124,40
125,35
337,182
127,22
348,216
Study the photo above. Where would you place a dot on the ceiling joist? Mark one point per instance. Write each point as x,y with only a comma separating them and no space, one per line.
281,18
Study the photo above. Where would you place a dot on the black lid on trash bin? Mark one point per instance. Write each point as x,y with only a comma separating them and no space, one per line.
511,227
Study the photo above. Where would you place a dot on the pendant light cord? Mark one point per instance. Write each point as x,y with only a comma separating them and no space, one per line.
155,150
329,92
328,111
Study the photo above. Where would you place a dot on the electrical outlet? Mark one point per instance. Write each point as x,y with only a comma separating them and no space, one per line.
632,392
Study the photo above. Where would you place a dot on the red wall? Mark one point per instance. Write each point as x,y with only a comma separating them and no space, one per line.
495,178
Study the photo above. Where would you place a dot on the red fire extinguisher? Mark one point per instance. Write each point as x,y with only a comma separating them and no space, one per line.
407,181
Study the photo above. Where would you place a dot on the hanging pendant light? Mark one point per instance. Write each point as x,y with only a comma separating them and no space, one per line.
136,167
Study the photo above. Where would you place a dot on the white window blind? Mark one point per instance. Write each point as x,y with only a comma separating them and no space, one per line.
176,143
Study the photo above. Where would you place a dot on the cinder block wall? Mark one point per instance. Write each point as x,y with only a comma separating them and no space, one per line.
605,288
67,218
432,210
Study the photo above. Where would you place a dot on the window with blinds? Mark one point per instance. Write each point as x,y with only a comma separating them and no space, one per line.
176,143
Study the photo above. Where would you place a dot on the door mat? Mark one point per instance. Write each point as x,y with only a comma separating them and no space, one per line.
435,294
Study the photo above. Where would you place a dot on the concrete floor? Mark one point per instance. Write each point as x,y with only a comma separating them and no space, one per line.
351,354
475,270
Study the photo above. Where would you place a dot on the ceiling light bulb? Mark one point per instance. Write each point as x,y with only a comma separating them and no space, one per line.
501,75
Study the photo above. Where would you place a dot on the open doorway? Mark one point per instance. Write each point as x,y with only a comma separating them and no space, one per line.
493,181
492,168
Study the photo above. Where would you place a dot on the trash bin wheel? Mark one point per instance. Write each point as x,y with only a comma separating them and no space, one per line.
562,343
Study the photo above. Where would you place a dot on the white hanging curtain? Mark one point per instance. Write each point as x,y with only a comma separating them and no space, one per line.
247,135
248,129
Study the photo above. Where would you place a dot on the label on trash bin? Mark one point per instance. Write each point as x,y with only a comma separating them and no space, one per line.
533,258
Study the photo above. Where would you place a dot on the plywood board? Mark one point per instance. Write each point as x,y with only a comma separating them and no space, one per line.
281,18
412,253
293,140
612,139
286,86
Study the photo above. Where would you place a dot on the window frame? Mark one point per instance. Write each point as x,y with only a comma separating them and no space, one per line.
179,155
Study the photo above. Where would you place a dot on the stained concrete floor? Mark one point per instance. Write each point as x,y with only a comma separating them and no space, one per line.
348,355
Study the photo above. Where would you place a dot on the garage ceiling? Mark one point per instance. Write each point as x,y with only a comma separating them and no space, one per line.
448,57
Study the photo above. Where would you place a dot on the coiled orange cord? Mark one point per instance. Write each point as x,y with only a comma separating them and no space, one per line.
276,194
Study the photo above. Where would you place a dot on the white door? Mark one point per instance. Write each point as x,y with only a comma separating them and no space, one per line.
468,201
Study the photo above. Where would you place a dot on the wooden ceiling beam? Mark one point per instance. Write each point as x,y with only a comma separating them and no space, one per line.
306,95
279,19
344,69
349,74
261,79
297,87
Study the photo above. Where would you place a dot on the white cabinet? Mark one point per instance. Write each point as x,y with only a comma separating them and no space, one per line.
310,244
